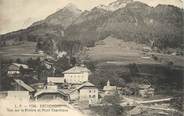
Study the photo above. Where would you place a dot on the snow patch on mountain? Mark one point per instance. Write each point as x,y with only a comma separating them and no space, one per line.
115,5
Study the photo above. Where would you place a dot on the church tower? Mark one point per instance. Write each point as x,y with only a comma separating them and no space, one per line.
108,83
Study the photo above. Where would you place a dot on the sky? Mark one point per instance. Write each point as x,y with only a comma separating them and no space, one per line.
18,14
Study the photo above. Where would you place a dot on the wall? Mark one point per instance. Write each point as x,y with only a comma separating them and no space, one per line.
89,94
18,95
76,77
51,96
74,95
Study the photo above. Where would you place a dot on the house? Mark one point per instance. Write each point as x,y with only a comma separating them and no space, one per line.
108,89
146,90
21,86
14,69
21,91
86,92
51,94
76,75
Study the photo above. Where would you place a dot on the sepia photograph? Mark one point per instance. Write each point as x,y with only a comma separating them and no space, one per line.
91,58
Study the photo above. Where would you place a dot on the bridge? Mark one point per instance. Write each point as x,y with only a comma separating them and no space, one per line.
133,102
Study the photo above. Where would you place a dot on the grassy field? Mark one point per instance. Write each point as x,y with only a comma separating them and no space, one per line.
112,49
116,51
23,51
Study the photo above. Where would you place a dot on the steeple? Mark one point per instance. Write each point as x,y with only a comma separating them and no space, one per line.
108,83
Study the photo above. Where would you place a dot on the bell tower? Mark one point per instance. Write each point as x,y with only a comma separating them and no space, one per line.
108,83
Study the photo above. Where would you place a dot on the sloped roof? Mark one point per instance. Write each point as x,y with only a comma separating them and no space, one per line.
24,85
66,91
85,84
77,69
50,91
19,65
55,79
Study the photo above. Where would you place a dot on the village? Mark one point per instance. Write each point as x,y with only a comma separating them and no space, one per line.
74,88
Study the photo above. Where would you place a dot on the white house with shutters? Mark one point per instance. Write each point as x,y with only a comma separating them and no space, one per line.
85,92
76,75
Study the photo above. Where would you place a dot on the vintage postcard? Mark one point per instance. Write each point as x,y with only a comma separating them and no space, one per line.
91,58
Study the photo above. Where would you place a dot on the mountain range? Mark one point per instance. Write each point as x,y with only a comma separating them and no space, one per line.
128,20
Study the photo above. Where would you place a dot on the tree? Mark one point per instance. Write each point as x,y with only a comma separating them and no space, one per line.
18,60
155,58
170,63
34,63
30,62
62,64
5,82
177,102
90,65
22,71
73,61
111,107
133,69
133,88
112,99
38,46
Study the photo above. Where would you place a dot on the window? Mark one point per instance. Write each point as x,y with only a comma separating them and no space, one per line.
93,96
89,91
90,96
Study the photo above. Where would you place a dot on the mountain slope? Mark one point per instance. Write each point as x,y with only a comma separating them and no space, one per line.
134,21
118,4
86,25
46,30
114,49
115,5
63,17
